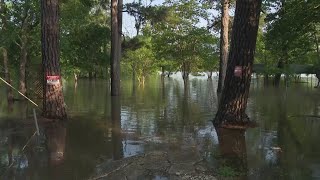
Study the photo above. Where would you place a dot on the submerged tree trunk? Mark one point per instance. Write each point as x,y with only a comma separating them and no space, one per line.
162,71
115,49
53,101
7,74
209,75
23,63
185,72
224,44
233,103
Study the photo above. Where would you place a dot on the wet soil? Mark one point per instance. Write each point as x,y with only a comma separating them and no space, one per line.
173,165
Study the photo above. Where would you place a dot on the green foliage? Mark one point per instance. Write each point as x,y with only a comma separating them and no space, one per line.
142,59
172,35
85,37
20,24
291,29
181,40
143,14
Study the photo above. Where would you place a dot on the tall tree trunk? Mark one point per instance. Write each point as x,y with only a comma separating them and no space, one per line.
185,72
224,44
53,100
115,49
120,8
7,74
23,63
317,45
233,103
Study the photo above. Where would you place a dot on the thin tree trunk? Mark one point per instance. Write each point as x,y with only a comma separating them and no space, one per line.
115,50
224,44
138,28
233,103
317,45
53,100
5,52
75,77
7,74
277,77
185,72
23,63
209,75
318,56
90,75
133,73
162,71
169,73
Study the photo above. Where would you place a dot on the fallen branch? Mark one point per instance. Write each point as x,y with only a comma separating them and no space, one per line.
18,91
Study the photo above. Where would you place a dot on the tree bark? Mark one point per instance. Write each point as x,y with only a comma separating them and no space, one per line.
7,74
115,49
224,44
233,103
3,11
53,100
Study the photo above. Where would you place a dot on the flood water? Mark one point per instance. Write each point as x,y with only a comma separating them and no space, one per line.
165,116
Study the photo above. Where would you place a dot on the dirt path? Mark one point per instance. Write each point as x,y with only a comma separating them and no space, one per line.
173,165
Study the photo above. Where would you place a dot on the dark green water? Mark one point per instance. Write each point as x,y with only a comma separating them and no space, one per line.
161,116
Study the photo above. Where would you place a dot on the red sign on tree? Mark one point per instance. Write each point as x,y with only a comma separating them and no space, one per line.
53,80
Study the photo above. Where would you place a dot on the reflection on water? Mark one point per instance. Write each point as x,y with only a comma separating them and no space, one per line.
56,143
163,115
232,148
116,128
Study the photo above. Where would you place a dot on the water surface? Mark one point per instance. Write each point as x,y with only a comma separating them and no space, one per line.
165,116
